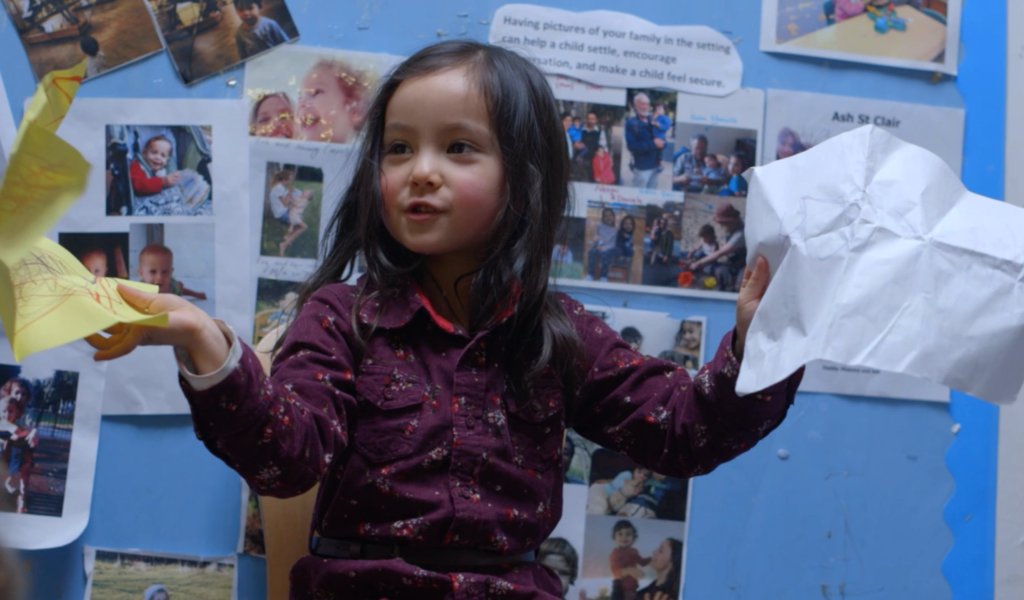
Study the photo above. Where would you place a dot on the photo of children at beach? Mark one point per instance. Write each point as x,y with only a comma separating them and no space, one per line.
291,211
312,94
137,575
106,34
159,170
103,254
37,415
207,36
177,258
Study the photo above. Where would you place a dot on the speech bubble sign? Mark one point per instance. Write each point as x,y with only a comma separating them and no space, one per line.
620,50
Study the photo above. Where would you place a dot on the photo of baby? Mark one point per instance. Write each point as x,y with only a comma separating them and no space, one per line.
159,170
650,139
207,36
312,94
177,258
291,215
107,34
614,235
158,576
37,415
631,559
618,486
103,254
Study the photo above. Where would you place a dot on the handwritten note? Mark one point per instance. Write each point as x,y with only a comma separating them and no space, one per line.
47,298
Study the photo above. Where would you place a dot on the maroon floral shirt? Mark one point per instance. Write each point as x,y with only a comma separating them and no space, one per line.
416,439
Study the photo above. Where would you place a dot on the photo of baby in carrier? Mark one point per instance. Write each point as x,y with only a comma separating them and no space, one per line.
157,170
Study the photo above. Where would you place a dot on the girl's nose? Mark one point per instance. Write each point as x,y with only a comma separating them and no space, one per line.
425,172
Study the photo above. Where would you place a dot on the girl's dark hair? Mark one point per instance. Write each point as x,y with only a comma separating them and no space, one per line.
631,335
624,524
560,547
89,45
623,222
707,230
524,118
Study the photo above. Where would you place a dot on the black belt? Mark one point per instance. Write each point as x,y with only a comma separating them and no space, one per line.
437,557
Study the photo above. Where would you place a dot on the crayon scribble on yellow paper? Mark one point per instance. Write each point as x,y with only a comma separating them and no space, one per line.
44,175
52,300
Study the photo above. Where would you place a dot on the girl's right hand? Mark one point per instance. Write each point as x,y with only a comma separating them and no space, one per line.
188,328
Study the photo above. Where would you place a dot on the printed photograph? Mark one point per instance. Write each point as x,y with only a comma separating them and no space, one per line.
291,211
919,34
649,139
159,170
37,416
61,34
205,37
613,238
618,486
129,575
567,257
576,457
711,160
631,558
662,244
688,351
275,308
559,555
312,94
252,524
178,258
713,248
594,136
103,254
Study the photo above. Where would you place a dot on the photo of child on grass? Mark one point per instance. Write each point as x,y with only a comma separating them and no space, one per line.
291,215
132,575
36,420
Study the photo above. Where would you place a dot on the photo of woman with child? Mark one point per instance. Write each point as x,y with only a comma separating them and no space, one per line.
618,486
631,559
327,103
291,215
157,170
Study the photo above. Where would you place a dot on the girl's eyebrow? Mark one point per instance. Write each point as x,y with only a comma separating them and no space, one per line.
452,126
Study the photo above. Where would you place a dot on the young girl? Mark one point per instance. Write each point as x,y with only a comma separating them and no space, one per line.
429,399
625,562
602,163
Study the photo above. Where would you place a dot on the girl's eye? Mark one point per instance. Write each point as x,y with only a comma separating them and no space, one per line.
397,148
460,148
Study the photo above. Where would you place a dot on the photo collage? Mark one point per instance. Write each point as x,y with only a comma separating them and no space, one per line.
624,527
638,158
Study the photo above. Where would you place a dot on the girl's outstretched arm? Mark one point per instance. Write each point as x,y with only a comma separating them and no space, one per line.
280,432
655,413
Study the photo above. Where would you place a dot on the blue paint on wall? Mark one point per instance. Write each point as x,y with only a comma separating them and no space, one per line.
855,509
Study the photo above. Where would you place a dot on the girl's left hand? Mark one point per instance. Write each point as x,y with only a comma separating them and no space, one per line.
754,285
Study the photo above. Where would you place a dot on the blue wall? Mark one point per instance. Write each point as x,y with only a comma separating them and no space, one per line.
858,509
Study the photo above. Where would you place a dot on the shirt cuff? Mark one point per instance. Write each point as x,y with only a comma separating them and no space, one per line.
205,382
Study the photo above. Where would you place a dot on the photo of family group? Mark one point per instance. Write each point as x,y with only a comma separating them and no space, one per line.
291,211
102,254
712,159
37,415
918,34
207,36
106,34
159,170
312,94
135,575
594,136
177,258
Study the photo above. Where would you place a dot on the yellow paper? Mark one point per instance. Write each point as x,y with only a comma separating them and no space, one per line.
44,175
48,298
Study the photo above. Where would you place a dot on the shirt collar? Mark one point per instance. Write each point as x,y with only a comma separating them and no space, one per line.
394,308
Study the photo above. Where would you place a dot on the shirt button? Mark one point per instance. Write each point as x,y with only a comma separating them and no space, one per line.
470,422
389,393
466,493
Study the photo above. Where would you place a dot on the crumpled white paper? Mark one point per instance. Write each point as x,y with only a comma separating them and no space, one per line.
881,258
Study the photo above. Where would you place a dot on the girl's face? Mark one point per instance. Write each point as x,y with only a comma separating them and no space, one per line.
624,538
442,176
628,225
691,335
324,113
661,558
274,118
608,218
561,567
157,153
735,165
